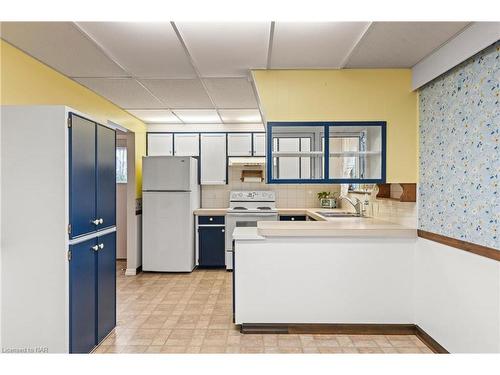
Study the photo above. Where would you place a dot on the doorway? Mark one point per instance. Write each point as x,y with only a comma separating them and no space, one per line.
121,195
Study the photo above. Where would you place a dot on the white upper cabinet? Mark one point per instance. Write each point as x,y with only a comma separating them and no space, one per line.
160,144
259,144
186,144
213,159
239,144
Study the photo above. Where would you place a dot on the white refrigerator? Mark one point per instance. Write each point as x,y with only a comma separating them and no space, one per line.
170,193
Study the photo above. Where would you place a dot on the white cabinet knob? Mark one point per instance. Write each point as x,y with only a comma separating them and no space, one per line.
95,247
293,219
95,221
101,246
211,219
223,230
101,220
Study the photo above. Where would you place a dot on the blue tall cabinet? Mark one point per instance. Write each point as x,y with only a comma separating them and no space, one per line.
58,244
92,220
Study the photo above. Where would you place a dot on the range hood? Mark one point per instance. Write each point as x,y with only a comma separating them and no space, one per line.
247,161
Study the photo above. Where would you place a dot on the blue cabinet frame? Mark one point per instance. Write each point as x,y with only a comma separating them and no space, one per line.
326,167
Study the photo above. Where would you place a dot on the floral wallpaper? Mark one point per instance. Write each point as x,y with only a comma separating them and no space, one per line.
459,193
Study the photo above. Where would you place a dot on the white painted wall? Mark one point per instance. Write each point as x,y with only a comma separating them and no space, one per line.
457,298
470,41
134,222
34,159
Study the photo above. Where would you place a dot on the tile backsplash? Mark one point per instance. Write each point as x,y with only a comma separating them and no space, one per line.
305,196
287,196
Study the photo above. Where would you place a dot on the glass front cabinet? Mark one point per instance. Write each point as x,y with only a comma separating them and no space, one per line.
326,152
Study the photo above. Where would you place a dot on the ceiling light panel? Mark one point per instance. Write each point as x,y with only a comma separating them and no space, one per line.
124,92
179,93
153,116
62,46
313,44
226,49
198,116
245,116
401,44
145,49
231,92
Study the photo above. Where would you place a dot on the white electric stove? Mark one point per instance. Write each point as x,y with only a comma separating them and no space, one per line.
246,208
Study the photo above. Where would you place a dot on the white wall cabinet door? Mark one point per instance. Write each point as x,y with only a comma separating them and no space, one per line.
259,144
213,159
186,144
160,144
239,144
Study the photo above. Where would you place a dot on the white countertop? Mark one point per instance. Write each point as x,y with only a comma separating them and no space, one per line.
323,227
246,233
335,227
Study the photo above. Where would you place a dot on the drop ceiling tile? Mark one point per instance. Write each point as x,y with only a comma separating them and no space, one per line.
124,92
401,44
152,116
313,44
231,92
226,49
179,93
61,46
201,116
145,49
234,116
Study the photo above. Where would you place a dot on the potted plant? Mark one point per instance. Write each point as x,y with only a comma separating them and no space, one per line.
327,199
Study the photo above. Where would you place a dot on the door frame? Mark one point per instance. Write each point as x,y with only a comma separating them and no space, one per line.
134,255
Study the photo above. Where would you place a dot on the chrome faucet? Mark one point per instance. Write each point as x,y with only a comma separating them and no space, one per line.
356,203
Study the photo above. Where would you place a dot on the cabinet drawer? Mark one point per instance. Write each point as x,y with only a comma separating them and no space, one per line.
211,220
292,218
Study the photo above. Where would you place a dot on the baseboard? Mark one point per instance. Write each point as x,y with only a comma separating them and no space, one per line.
346,329
133,271
429,341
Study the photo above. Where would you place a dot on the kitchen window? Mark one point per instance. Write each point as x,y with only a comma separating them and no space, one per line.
121,165
354,152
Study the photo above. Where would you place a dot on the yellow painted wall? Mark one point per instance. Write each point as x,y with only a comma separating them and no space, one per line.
26,81
349,95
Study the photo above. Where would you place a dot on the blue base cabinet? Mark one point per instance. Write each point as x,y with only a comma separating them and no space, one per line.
92,280
211,241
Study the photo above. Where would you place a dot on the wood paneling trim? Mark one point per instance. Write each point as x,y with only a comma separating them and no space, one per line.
346,329
429,341
484,251
409,193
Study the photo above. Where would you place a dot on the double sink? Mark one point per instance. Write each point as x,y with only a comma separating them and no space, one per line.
337,214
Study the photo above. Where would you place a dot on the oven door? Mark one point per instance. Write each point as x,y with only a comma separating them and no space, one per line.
234,220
